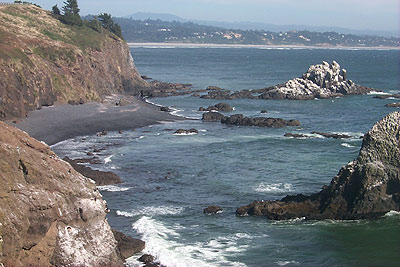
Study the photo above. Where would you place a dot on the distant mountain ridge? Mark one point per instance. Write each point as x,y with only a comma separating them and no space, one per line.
247,25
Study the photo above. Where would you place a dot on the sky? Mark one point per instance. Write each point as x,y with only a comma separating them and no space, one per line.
383,15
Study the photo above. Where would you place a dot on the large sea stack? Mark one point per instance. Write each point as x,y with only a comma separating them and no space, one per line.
367,187
43,60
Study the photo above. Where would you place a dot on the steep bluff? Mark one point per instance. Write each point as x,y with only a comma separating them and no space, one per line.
367,187
43,61
50,215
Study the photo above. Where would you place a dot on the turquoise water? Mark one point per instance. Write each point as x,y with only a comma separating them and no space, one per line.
170,179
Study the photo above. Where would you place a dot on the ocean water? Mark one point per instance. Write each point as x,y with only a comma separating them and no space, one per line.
169,179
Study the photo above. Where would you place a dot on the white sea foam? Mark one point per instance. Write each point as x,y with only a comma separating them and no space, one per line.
276,187
108,159
377,93
347,145
185,134
164,243
284,263
392,213
113,188
152,211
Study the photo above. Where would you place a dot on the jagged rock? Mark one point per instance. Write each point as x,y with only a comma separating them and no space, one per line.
146,258
332,135
320,81
223,107
50,215
239,119
184,131
100,177
128,246
212,210
367,187
212,116
393,105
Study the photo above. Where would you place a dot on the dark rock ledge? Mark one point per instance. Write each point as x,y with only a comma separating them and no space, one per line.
365,188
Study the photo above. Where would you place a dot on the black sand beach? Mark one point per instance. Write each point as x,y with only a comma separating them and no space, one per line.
63,121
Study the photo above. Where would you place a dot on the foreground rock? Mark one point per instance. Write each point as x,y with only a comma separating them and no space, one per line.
320,81
239,119
223,107
100,177
50,215
128,246
367,187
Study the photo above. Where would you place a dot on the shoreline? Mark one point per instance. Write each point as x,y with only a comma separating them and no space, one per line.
64,121
210,45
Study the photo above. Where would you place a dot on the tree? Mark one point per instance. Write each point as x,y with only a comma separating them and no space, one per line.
56,11
71,13
108,23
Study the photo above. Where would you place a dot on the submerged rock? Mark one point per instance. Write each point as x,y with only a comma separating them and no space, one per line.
184,131
50,215
367,187
239,119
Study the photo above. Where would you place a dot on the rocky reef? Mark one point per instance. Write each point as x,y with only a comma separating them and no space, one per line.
43,61
367,187
50,215
320,81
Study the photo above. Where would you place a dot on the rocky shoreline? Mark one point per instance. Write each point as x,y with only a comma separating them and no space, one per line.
365,188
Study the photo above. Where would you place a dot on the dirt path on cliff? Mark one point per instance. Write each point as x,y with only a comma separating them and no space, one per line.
63,121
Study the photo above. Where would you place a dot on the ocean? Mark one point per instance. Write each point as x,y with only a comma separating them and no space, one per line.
169,179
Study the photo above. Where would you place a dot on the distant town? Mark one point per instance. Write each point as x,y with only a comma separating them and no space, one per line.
188,32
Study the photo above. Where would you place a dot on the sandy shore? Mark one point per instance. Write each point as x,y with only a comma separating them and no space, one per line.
63,121
193,45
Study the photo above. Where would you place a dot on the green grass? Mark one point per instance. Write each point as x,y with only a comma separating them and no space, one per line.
16,54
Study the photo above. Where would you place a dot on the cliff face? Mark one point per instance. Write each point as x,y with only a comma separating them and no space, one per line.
50,215
367,187
43,61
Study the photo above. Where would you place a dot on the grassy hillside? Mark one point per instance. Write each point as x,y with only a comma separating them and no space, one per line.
43,60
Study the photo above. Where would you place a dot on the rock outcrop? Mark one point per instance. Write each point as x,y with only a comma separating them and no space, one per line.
50,215
239,119
320,81
367,187
43,61
212,116
223,107
99,177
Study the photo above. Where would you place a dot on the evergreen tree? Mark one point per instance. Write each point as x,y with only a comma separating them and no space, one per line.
108,23
71,13
56,11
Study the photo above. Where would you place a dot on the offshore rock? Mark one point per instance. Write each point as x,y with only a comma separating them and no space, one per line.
212,116
50,215
186,131
333,135
367,187
212,210
223,107
320,81
239,119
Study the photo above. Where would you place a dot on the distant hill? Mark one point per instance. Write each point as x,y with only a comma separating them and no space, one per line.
246,25
189,32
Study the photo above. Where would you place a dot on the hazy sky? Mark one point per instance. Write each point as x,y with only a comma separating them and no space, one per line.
354,14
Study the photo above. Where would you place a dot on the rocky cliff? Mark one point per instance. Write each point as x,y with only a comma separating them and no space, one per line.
367,187
43,61
50,215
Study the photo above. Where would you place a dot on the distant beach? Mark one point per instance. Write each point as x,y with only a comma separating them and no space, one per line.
194,45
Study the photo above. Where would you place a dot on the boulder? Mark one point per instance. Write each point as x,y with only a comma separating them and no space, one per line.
212,116
223,107
146,258
165,109
127,246
212,210
264,111
367,187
